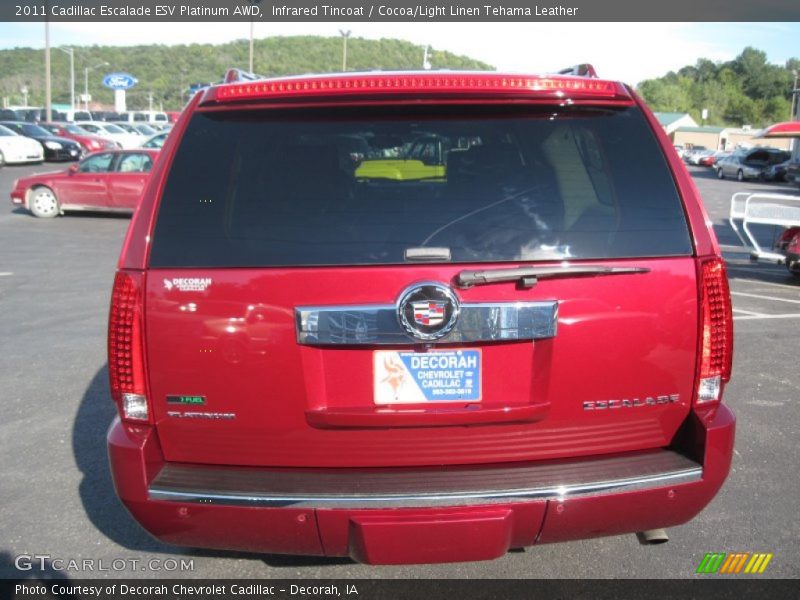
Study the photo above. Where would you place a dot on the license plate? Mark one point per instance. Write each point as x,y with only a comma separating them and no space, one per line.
407,377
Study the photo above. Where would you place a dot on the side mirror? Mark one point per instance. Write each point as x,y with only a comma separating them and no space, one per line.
73,168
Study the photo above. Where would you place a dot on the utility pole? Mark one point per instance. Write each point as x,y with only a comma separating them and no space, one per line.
86,83
252,4
345,35
793,116
71,52
150,100
251,46
48,99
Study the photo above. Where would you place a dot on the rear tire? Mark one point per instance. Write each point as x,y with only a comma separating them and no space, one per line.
739,175
43,203
2,160
720,174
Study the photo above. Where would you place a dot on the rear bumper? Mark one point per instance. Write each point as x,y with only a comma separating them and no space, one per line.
425,514
18,196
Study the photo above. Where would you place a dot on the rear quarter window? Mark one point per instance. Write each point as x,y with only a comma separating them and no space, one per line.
306,187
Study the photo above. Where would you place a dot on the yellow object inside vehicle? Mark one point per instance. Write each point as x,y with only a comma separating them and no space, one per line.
398,169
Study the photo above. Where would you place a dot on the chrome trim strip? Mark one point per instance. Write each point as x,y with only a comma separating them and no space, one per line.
354,501
377,324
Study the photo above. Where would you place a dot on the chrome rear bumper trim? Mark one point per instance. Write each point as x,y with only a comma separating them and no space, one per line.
371,488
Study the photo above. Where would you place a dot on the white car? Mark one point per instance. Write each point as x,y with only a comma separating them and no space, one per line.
112,132
17,149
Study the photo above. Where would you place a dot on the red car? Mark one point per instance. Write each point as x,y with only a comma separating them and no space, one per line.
711,159
105,181
89,142
524,342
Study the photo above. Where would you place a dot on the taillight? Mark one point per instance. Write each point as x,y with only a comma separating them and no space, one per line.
126,347
716,329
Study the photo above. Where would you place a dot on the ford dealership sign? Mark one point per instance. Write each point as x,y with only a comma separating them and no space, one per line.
119,81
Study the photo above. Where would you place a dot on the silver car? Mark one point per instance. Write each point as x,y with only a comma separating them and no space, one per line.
736,165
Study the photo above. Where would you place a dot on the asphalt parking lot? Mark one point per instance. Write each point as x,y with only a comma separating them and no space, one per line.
56,496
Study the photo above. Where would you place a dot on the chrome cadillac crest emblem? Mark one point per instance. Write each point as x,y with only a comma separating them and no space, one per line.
428,310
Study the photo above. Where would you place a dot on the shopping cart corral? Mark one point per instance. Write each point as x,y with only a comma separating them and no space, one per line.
753,208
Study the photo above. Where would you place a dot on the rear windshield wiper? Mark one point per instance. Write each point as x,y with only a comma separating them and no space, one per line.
529,276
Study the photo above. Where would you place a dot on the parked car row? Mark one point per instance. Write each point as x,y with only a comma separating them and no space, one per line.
36,114
55,147
769,164
72,141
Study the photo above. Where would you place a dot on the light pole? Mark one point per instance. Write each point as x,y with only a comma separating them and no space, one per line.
345,35
86,83
252,4
48,99
793,116
71,52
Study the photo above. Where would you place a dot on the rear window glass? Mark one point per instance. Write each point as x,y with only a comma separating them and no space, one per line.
292,187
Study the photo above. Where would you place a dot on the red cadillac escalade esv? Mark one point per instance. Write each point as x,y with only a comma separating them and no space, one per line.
323,342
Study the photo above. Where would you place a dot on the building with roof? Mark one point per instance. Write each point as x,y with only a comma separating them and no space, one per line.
671,121
724,138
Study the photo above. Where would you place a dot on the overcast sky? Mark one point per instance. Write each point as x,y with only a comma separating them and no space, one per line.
629,52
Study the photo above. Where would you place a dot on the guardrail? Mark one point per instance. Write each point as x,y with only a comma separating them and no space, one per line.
781,210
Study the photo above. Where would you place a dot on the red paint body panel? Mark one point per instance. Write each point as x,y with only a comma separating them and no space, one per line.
432,535
612,514
395,536
622,337
237,347
417,538
125,189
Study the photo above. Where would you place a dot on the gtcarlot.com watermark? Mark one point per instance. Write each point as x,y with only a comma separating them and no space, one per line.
47,562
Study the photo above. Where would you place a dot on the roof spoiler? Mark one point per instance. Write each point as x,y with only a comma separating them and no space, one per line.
238,75
582,70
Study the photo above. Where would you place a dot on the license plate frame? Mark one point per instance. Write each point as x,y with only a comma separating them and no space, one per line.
434,376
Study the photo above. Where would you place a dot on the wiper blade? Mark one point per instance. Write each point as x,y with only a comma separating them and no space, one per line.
529,276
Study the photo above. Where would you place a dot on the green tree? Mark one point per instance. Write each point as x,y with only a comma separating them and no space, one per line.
746,90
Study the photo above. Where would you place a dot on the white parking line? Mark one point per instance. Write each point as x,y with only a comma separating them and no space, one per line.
756,318
776,299
779,285
776,273
748,312
5,273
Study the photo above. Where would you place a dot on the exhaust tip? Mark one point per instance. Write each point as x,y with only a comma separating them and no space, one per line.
652,537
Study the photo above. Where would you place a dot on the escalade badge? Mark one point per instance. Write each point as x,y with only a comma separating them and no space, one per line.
428,311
